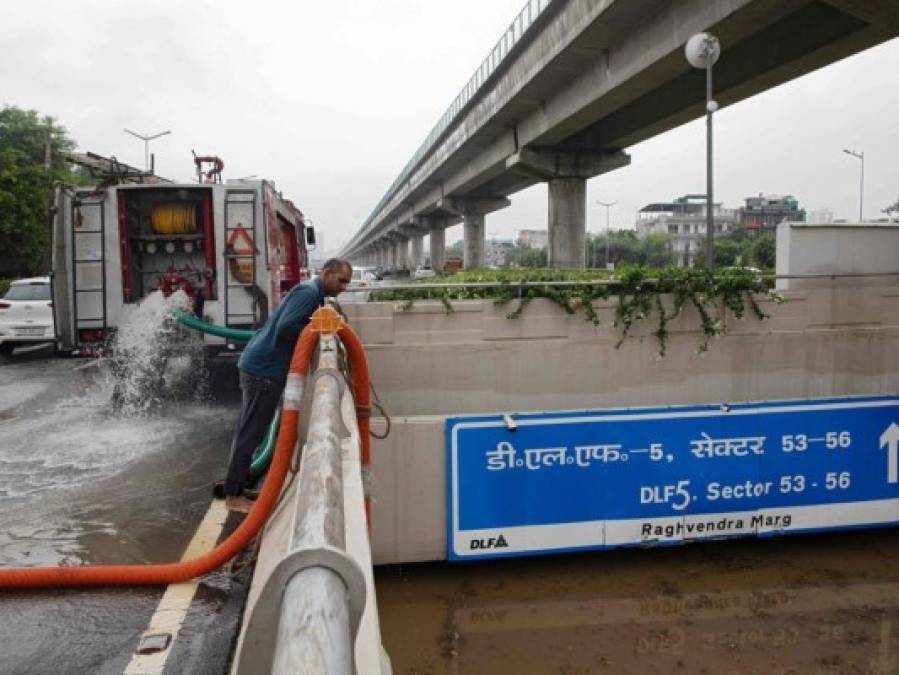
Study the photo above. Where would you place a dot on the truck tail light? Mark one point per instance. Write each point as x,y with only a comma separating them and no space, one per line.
90,335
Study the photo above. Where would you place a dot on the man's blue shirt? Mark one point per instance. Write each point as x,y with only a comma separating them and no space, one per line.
268,353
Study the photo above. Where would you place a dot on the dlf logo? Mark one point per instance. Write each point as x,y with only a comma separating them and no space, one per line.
492,542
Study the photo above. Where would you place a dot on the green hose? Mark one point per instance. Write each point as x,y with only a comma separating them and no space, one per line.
191,321
263,454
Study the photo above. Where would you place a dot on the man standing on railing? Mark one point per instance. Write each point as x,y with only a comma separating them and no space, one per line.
263,372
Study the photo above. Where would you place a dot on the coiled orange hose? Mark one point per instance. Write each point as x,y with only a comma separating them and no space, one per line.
362,393
169,573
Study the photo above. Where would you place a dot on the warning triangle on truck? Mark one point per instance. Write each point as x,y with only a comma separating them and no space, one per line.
240,242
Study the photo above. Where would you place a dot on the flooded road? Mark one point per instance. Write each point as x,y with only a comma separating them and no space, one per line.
813,604
82,484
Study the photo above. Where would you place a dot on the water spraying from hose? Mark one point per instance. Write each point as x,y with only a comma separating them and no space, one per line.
152,356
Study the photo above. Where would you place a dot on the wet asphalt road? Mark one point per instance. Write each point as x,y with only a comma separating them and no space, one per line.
81,485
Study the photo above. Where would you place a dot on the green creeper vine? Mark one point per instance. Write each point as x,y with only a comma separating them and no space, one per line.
639,291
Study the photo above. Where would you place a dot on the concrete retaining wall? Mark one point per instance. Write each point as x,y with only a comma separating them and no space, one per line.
841,248
427,364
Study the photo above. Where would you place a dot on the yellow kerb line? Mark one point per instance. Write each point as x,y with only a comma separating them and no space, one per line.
177,599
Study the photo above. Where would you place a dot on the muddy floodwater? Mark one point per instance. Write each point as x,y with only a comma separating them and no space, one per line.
803,604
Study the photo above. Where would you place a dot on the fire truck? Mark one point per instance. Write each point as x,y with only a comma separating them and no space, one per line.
234,247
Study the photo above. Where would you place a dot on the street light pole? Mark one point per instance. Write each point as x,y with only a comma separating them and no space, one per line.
861,185
146,139
702,51
608,205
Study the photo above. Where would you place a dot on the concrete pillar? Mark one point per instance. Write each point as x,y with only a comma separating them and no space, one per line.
438,246
401,252
417,248
475,240
567,224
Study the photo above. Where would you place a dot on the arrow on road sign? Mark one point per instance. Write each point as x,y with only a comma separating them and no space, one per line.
890,437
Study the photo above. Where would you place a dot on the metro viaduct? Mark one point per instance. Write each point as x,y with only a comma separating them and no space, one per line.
573,82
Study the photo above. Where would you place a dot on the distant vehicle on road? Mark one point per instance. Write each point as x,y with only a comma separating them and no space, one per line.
26,314
423,272
364,277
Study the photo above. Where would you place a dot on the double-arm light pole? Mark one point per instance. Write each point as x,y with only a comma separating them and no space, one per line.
146,139
608,205
861,185
702,51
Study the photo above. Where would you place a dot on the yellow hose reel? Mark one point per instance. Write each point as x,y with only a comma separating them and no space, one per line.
174,218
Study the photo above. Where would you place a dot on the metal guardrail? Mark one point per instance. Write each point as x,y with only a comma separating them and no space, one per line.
593,282
318,620
513,34
309,611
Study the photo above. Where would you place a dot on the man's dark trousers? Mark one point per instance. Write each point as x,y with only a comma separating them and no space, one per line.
261,396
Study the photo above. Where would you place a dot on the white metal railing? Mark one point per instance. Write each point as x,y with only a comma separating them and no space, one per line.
309,613
496,57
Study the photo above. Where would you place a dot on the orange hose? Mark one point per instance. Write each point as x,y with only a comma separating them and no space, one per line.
362,391
169,573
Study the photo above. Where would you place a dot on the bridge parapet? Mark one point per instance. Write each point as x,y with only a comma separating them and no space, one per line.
427,365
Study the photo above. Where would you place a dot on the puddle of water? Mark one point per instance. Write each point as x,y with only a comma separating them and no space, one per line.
824,604
15,394
67,450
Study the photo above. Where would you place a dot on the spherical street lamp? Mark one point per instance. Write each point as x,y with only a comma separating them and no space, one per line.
702,51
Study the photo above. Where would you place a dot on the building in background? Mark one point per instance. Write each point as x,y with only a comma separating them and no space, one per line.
765,212
533,238
684,220
496,253
820,216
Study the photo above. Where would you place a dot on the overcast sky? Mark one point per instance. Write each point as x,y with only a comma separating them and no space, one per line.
330,99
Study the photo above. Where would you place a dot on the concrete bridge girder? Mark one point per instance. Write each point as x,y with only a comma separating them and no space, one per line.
610,74
549,164
566,174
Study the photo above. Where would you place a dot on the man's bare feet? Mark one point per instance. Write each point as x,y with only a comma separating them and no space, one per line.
238,504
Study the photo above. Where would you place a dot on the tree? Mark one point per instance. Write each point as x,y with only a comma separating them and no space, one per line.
655,250
730,250
763,252
32,158
892,210
526,256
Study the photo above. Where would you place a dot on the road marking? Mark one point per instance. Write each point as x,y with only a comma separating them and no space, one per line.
177,599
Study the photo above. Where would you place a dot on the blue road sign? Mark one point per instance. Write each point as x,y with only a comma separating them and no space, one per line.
566,481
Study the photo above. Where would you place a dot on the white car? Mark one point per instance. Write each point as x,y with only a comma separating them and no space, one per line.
26,315
423,272
364,277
